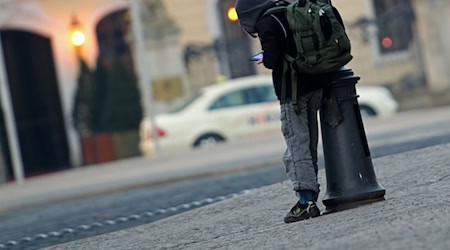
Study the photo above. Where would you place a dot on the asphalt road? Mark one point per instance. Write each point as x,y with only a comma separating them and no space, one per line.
163,201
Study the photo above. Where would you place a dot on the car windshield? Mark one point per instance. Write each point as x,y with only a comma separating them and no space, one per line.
182,106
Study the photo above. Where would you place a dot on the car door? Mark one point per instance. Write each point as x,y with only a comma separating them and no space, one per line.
265,114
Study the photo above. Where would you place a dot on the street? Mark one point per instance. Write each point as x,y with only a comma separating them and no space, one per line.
38,227
414,215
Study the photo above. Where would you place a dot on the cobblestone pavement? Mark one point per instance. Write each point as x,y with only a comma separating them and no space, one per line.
415,215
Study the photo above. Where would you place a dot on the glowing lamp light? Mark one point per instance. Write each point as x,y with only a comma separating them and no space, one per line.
78,38
232,14
386,42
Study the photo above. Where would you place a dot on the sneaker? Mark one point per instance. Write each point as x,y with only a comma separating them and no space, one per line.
298,214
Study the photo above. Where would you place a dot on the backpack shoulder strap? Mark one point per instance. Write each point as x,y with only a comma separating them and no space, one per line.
274,10
281,24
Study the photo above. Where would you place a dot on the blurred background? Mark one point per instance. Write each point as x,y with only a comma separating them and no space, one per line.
79,77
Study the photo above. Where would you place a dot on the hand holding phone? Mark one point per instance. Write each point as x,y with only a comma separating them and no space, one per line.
256,57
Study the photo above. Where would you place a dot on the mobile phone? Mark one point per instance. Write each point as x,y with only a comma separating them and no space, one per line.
256,57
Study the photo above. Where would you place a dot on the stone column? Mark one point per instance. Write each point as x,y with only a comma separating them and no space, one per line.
164,51
433,20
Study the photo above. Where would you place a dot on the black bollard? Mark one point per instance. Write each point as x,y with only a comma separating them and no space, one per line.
351,179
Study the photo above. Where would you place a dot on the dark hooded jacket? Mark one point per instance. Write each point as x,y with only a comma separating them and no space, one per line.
250,11
276,40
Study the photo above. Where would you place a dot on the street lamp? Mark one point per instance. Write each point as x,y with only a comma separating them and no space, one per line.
77,37
232,14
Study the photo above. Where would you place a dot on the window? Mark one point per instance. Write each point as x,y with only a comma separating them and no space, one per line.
232,99
245,96
394,21
260,94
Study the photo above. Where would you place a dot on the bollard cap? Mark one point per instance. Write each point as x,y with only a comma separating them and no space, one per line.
344,76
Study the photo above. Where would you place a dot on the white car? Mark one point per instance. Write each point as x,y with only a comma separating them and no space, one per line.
376,101
238,108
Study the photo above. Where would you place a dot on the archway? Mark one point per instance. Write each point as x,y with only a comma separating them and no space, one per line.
118,110
112,39
234,45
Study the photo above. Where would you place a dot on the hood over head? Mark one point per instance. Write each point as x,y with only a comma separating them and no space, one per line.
249,12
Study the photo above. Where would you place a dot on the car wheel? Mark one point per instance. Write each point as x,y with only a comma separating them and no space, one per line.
208,140
367,111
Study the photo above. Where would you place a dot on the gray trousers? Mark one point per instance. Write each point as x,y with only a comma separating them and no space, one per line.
301,135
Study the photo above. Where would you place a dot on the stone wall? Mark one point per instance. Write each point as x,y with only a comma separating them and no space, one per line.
367,63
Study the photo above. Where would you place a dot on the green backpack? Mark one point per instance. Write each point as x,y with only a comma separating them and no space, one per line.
322,43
